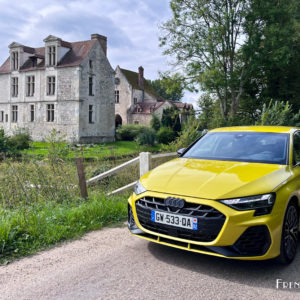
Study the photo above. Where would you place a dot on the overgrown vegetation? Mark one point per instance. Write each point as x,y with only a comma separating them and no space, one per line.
12,145
129,132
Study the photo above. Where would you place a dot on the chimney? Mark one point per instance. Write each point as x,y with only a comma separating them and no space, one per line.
102,40
141,77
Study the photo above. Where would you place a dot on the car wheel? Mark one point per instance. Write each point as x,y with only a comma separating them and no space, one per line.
289,237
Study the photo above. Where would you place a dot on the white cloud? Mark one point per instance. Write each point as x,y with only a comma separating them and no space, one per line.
130,25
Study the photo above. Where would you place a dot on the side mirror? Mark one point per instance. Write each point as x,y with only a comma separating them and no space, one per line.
180,151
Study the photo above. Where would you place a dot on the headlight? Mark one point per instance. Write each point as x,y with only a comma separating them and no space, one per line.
262,204
138,189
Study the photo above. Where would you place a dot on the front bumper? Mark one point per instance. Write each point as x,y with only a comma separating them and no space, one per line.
240,235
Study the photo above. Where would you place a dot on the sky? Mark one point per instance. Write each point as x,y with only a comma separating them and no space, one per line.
131,27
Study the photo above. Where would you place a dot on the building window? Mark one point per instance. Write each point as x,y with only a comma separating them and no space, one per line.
51,55
6,118
15,60
14,114
135,100
31,113
51,85
15,86
50,112
1,116
136,122
91,65
117,96
91,114
30,86
91,86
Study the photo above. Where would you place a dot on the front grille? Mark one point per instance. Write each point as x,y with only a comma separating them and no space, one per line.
210,220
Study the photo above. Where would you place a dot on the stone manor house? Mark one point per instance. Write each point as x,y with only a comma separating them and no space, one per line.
136,100
64,86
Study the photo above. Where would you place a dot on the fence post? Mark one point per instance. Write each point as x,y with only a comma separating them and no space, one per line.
81,177
145,162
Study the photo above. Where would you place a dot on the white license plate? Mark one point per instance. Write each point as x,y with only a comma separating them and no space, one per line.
174,220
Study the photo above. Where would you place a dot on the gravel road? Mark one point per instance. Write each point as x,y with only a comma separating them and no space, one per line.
112,264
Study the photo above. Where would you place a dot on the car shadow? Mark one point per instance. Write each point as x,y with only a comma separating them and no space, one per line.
250,273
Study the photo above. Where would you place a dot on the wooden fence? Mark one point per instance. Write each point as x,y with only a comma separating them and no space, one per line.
144,160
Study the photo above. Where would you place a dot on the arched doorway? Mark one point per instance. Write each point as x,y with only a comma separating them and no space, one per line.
118,121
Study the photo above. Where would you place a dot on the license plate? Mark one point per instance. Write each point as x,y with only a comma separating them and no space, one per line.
174,220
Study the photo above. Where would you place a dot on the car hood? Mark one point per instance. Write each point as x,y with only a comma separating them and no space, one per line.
211,179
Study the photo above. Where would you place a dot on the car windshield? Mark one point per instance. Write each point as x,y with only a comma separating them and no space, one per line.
259,147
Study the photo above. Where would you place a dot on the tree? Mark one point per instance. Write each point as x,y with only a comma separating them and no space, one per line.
170,87
274,71
204,37
170,118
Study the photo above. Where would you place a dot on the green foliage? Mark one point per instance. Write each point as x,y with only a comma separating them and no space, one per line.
129,132
146,137
166,135
274,72
169,87
170,118
279,113
20,139
191,132
155,122
203,37
12,145
23,231
57,148
241,52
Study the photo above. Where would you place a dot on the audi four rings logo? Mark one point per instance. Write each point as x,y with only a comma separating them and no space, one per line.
174,202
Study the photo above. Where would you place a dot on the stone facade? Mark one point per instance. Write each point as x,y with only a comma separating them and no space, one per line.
78,103
136,100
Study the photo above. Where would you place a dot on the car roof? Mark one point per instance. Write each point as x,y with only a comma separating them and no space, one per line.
278,129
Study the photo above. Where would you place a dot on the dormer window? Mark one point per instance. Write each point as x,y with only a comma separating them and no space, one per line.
52,55
15,60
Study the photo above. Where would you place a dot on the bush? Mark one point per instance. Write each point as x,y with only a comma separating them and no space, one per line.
20,140
165,135
278,113
11,145
146,137
155,122
129,132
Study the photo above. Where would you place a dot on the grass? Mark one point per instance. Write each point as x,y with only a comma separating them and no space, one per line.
95,151
39,198
26,230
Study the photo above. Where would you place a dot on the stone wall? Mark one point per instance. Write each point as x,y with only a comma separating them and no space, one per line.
103,127
71,101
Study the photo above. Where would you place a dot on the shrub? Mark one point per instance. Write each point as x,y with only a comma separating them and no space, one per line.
278,113
170,118
155,122
165,135
146,137
20,140
129,132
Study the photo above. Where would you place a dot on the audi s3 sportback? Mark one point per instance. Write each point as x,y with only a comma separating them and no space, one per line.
234,193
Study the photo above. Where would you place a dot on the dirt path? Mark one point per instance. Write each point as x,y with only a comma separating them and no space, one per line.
112,264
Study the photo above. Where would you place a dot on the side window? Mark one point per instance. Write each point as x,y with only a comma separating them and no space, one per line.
296,148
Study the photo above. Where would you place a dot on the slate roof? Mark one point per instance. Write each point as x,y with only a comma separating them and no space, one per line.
133,78
78,52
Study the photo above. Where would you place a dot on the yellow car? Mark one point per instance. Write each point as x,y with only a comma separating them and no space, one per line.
233,193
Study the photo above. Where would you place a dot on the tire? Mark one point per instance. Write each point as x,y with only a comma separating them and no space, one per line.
290,233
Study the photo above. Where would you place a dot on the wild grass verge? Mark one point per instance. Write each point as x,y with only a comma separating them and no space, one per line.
27,229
